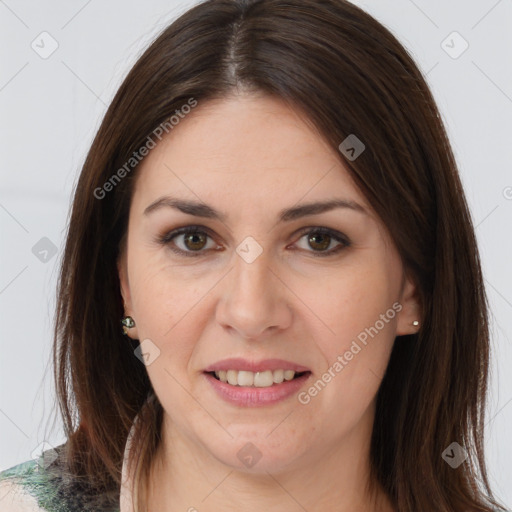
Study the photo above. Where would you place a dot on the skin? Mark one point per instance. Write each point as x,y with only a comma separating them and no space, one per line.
249,156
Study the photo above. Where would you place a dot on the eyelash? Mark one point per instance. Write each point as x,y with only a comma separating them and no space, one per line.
339,237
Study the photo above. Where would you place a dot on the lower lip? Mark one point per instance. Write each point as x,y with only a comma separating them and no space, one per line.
256,397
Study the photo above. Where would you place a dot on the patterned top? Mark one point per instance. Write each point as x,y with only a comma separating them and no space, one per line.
42,485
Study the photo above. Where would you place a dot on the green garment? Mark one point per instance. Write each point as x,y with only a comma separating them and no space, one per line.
46,480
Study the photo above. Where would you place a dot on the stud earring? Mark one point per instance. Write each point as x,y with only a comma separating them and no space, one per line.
415,323
128,323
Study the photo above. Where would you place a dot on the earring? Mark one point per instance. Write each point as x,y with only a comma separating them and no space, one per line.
415,323
127,322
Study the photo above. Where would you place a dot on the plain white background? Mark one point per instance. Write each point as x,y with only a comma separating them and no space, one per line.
51,107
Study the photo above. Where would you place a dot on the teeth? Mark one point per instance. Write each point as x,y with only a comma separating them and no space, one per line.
254,379
246,378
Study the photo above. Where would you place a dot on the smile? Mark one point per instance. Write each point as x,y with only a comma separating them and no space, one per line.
261,379
242,395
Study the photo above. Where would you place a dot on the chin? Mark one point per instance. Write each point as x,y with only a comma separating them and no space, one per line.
256,454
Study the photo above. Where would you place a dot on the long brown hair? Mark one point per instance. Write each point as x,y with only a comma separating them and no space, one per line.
347,74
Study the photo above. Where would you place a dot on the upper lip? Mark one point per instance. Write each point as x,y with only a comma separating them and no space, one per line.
238,363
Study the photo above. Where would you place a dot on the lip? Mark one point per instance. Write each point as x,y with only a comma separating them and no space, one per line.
238,363
243,396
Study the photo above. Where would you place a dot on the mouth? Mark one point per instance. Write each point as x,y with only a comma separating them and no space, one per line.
248,389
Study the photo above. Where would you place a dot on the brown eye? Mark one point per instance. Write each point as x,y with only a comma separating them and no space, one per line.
319,241
322,241
189,241
195,241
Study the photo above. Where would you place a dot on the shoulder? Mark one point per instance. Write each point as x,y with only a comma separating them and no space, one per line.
44,485
15,495
13,498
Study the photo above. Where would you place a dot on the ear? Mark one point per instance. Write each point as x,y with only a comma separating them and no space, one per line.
411,308
122,270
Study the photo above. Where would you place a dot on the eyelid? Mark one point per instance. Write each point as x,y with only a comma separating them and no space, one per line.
168,237
337,235
341,238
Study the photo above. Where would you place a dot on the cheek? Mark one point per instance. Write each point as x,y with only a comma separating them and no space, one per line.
164,302
162,294
351,300
171,310
357,306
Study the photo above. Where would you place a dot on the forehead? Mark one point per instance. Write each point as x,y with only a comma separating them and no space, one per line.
243,151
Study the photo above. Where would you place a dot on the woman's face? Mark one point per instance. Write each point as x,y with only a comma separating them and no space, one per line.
321,289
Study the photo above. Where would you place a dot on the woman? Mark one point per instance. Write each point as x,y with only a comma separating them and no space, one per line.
272,208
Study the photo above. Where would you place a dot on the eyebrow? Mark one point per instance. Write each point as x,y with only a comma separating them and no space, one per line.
200,209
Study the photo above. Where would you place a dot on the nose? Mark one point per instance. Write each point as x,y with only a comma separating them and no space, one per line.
255,300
